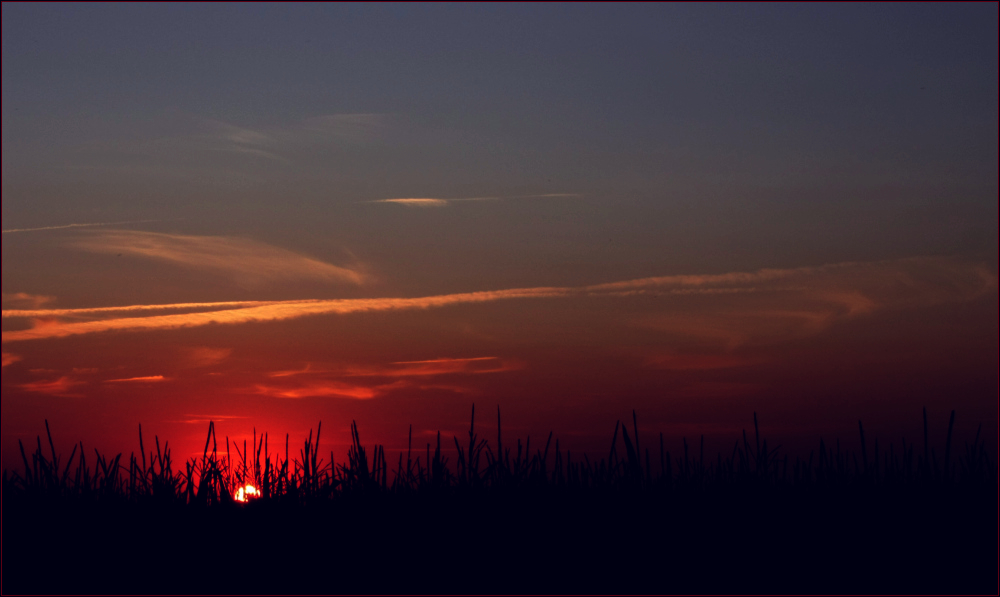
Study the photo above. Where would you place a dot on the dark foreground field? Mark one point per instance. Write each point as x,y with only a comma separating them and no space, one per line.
886,520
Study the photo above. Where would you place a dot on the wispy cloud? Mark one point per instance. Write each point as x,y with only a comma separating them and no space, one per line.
23,299
143,379
279,144
87,225
730,328
317,389
206,418
340,389
204,356
747,306
414,201
88,311
403,375
293,372
439,202
223,136
10,358
248,262
54,387
436,367
783,305
445,366
276,311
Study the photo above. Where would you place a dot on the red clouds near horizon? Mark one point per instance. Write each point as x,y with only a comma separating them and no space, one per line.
699,341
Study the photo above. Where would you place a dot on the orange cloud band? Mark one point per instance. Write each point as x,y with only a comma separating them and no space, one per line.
843,290
276,311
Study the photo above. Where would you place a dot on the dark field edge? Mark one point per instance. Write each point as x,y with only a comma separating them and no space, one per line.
506,519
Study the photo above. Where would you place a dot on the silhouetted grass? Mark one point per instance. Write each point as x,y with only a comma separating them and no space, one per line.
504,518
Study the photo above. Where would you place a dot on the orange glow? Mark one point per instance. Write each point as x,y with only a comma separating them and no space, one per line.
246,493
810,299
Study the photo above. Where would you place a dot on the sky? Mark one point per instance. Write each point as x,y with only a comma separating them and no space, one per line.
273,215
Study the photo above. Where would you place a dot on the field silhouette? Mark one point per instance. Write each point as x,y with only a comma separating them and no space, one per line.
504,517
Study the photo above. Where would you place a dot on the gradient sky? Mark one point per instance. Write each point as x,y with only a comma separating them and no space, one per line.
271,215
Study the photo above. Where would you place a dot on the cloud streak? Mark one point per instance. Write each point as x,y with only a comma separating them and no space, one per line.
236,139
204,356
195,418
279,144
319,389
445,366
277,311
415,202
23,299
799,301
87,225
439,202
43,313
249,263
431,367
403,375
789,304
143,379
54,387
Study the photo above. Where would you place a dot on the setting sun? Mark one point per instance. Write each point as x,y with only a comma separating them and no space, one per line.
246,493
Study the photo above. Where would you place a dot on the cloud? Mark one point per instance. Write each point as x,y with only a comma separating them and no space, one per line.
438,202
188,418
144,379
292,372
249,263
10,358
41,323
403,375
318,389
339,389
436,367
735,308
446,366
732,328
55,387
276,311
88,225
279,144
203,356
45,313
785,305
415,202
226,137
23,299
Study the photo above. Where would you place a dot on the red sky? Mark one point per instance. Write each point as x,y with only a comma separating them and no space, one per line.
811,349
269,216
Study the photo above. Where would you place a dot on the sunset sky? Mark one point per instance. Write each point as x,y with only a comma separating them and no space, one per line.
271,215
